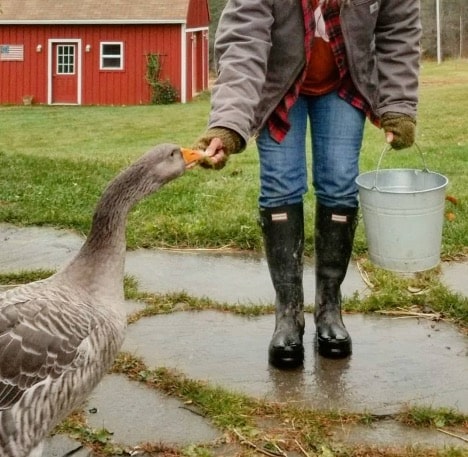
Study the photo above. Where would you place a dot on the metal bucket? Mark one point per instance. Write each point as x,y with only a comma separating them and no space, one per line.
403,212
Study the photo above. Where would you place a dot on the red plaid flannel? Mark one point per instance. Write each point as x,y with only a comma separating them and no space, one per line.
278,123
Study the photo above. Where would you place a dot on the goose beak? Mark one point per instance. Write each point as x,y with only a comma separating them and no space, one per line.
191,157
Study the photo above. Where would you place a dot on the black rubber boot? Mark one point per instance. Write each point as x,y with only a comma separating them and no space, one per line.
283,235
334,235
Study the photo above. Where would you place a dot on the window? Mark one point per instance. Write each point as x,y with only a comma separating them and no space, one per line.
111,56
66,59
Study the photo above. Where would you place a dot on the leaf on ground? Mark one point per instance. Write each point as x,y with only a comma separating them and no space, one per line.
450,216
452,199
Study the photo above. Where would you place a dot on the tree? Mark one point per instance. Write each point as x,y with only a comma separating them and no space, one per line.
216,7
453,28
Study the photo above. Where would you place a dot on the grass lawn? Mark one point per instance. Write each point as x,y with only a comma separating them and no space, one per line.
56,161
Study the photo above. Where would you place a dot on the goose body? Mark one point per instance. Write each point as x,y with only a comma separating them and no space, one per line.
59,336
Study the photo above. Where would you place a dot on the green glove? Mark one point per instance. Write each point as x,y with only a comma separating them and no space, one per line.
403,128
232,141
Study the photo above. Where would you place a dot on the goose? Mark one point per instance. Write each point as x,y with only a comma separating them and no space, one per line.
59,336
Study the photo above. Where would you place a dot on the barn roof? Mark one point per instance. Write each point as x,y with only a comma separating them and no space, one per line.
93,11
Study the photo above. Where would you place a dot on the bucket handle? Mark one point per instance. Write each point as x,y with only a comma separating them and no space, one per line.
387,148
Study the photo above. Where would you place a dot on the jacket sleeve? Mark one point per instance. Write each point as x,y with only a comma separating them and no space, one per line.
397,46
242,46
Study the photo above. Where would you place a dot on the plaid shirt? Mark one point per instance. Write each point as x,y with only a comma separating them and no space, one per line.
278,123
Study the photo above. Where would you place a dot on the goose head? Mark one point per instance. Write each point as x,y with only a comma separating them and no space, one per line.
158,166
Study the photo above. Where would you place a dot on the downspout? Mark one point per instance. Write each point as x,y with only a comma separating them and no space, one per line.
49,72
183,64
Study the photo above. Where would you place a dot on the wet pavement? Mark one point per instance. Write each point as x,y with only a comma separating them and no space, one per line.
244,277
395,362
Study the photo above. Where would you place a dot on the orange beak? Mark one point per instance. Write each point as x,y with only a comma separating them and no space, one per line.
191,157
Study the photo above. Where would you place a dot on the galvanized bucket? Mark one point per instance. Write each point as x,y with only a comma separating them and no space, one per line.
403,213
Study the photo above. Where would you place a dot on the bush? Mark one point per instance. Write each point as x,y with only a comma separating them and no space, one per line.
164,93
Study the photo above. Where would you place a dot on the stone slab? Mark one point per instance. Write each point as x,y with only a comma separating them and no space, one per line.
395,362
391,433
136,414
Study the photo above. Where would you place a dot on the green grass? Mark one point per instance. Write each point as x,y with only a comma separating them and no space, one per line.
55,178
57,160
425,416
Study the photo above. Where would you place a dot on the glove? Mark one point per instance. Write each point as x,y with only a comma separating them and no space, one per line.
403,128
232,143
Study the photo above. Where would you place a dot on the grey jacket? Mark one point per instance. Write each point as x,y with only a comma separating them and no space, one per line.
259,53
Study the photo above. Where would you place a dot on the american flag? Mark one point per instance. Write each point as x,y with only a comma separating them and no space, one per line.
11,52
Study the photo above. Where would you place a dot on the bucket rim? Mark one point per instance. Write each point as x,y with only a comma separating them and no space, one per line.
373,187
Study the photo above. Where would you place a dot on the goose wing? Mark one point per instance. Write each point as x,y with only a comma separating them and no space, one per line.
40,337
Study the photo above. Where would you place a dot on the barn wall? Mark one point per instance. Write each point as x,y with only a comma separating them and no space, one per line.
198,14
19,78
127,86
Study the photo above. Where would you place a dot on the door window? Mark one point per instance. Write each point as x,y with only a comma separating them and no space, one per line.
65,59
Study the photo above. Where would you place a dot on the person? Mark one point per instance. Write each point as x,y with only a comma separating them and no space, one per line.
333,63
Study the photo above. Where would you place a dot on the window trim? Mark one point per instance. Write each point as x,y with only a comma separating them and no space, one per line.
102,56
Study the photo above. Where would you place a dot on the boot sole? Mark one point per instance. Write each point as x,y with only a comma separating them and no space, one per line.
281,358
334,349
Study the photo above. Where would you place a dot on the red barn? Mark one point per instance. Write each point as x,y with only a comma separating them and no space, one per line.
86,52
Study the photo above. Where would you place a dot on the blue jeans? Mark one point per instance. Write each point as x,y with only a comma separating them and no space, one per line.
337,130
